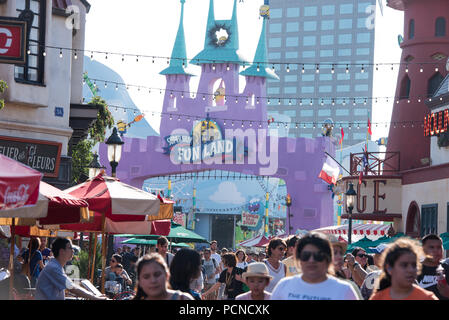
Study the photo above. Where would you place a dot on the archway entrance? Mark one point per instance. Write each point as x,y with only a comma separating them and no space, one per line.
413,222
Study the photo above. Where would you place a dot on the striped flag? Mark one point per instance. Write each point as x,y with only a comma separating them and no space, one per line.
330,171
342,136
369,128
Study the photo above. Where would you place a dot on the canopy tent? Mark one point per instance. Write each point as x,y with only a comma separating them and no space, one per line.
19,184
445,238
369,229
258,241
177,234
152,242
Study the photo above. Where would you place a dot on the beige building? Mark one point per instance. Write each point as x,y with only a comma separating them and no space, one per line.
416,200
43,114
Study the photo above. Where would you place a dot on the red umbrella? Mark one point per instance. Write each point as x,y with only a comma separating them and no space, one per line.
19,184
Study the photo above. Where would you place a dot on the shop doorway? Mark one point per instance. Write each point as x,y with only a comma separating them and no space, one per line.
223,230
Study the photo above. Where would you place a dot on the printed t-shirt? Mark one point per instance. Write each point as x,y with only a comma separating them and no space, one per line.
52,282
417,294
428,280
294,288
209,271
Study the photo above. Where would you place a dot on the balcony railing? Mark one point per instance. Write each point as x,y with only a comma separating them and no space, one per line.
378,163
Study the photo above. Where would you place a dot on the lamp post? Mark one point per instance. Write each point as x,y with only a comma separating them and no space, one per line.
114,143
288,203
95,167
350,200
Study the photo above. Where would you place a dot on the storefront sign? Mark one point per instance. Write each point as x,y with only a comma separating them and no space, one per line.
43,156
249,220
12,40
436,123
205,142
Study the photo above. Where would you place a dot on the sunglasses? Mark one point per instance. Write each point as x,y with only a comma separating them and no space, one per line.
362,255
317,256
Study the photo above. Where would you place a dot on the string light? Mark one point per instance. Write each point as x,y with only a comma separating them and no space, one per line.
288,68
60,53
317,68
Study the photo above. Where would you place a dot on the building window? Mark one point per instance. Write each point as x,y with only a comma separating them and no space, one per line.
292,27
328,10
344,52
327,40
273,90
343,88
405,88
345,24
291,78
307,89
361,112
276,13
345,38
324,113
309,41
361,87
326,53
310,11
275,42
306,113
308,77
325,89
291,90
363,37
275,27
274,55
429,219
440,27
346,8
291,42
434,83
292,12
291,54
310,26
33,70
308,54
363,6
342,112
362,51
327,25
411,29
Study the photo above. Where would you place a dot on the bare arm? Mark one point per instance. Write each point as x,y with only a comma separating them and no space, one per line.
80,292
214,288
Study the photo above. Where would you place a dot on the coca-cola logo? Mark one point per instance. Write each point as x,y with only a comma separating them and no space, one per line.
18,197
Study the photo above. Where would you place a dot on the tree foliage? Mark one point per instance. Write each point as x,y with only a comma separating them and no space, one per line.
81,153
3,87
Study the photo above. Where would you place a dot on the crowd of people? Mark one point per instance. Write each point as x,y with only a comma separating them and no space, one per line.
311,267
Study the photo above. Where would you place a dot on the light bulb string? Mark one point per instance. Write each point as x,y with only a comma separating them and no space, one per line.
315,65
300,99
237,122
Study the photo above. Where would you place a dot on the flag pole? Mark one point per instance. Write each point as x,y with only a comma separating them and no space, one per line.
337,162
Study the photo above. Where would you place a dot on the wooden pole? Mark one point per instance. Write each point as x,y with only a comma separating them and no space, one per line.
104,251
89,259
92,274
11,259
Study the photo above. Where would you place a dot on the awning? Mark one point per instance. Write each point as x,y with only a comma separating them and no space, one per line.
358,229
258,241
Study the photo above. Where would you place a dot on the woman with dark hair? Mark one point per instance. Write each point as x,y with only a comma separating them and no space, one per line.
33,260
152,280
185,267
231,278
241,259
275,253
316,282
400,269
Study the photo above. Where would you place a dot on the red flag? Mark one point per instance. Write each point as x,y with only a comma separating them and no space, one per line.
369,127
342,136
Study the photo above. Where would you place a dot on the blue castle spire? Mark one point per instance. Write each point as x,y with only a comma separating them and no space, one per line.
259,68
221,42
178,59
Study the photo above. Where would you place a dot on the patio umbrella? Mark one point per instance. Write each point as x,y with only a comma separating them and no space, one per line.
19,184
115,201
178,234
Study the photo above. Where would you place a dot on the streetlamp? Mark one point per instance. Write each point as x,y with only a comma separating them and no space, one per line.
114,143
350,200
95,167
288,202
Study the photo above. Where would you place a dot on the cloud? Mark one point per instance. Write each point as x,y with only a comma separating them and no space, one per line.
227,193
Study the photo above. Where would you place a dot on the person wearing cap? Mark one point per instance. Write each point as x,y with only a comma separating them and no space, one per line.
338,249
257,278
370,281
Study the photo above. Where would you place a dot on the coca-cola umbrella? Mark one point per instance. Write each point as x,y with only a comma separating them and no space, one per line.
115,201
19,185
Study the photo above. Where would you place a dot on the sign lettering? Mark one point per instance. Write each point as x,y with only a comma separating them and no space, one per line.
436,123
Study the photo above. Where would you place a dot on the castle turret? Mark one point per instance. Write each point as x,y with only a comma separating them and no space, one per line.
425,50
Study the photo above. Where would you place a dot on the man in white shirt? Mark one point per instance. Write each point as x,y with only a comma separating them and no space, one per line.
217,257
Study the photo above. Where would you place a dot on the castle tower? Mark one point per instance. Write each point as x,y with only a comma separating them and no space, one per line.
177,78
426,49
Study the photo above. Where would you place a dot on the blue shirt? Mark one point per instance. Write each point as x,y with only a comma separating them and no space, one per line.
52,282
36,256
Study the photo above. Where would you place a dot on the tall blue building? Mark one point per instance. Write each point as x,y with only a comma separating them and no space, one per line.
322,36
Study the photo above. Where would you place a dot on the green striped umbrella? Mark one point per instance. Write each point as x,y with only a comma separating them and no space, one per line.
177,234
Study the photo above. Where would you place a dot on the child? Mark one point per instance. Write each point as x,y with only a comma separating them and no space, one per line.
400,268
257,279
